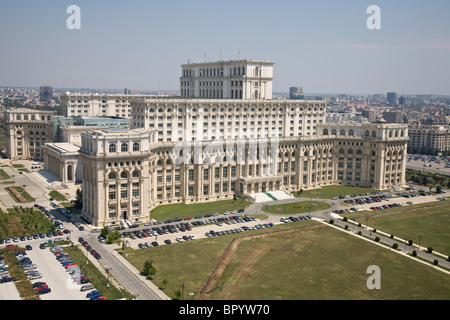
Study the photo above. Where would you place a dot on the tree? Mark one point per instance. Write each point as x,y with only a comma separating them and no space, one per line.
438,189
429,249
79,199
395,245
165,282
149,269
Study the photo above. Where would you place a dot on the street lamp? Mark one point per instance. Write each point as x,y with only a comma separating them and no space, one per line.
420,237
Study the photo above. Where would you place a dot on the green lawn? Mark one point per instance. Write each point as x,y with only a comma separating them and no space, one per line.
4,175
57,196
190,262
182,210
23,221
296,207
22,192
317,263
324,263
431,223
328,192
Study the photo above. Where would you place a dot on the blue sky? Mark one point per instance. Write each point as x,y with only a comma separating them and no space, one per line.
322,45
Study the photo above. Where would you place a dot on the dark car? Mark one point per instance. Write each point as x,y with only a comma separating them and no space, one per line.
167,241
42,246
155,244
97,256
28,247
44,291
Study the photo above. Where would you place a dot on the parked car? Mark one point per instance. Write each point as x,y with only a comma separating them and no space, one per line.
87,287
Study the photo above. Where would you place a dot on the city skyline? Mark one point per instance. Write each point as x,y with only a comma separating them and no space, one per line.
140,45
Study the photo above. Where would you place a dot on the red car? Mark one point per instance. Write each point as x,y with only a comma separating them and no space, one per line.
42,286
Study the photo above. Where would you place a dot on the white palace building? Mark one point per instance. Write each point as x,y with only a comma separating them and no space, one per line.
223,137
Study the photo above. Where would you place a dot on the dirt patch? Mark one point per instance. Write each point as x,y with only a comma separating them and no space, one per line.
225,259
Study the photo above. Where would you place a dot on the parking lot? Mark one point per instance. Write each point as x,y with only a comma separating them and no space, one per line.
197,232
55,275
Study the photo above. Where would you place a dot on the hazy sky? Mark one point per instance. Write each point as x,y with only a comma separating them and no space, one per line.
322,45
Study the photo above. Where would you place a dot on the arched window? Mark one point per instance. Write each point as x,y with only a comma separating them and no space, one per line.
18,117
159,163
367,133
124,147
325,132
112,147
19,132
358,151
350,151
341,151
124,175
351,132
135,174
374,134
333,131
136,146
342,132
390,134
112,176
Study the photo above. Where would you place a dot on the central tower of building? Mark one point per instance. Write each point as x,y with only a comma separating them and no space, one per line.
234,79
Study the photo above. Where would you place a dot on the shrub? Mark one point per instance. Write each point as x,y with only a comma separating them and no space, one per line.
359,233
414,253
345,219
395,246
374,230
359,224
346,227
429,249
410,242
435,262
377,239
392,236
331,221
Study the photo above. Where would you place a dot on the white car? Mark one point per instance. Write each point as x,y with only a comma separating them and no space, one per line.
35,276
179,239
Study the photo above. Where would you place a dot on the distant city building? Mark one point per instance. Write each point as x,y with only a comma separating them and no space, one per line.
45,93
431,137
393,116
235,79
370,115
296,93
391,97
401,100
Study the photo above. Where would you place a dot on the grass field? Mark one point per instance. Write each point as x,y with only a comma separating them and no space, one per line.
23,221
57,196
181,210
328,192
190,263
296,207
319,263
324,263
429,220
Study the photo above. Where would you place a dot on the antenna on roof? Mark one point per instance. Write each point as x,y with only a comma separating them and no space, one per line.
220,58
204,56
239,53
